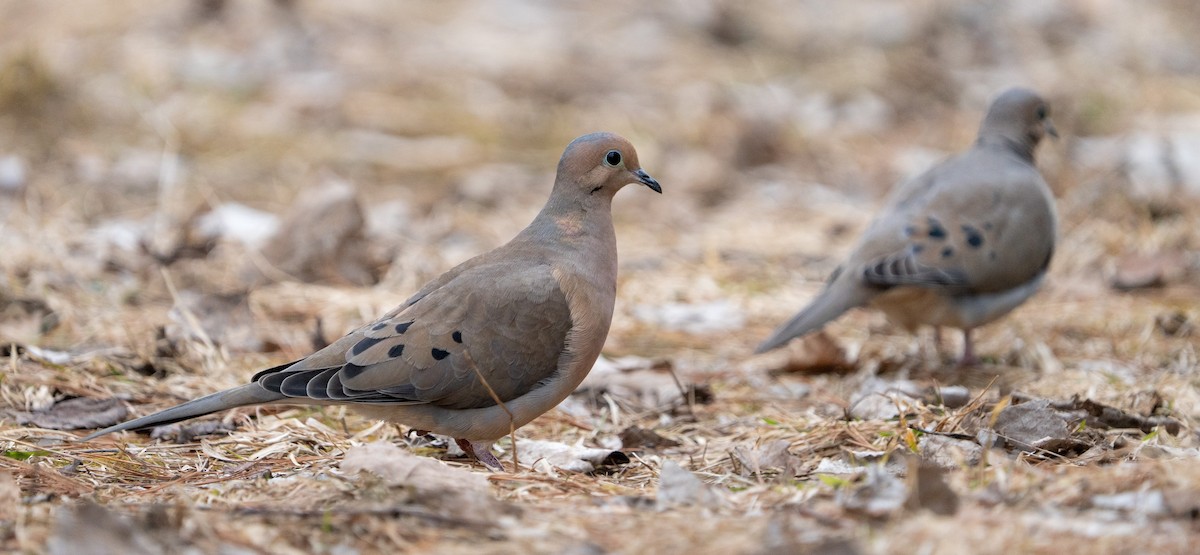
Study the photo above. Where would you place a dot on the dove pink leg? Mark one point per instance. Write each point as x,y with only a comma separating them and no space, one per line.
480,451
937,341
968,357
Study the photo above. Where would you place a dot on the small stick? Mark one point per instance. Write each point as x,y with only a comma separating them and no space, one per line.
512,429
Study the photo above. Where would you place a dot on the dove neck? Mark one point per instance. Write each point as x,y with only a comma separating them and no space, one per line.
574,218
1022,148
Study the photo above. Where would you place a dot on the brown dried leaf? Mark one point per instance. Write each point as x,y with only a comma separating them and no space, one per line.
75,414
398,467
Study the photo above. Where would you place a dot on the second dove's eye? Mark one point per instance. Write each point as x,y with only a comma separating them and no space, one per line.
613,158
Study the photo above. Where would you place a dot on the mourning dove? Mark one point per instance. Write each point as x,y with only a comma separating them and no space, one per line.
523,323
961,244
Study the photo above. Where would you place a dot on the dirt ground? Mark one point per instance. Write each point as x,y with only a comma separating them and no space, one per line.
193,191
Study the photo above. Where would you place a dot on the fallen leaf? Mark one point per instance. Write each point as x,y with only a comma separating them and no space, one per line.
1140,271
223,319
947,452
645,382
1031,425
880,493
756,458
75,414
879,399
322,239
636,437
398,467
816,353
572,458
679,487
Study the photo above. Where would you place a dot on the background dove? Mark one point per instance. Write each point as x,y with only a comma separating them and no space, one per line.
529,318
960,245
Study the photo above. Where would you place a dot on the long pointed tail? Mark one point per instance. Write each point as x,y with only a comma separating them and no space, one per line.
829,304
249,394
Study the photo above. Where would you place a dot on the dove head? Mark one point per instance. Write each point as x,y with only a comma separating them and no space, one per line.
598,165
1020,117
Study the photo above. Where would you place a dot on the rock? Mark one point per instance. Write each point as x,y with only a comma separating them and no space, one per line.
948,452
1031,425
12,175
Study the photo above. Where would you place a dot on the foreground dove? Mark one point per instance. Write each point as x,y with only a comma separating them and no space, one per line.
523,323
961,244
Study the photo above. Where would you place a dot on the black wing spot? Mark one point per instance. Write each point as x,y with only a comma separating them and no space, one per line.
439,354
974,237
936,231
947,252
351,370
403,327
593,191
396,351
379,326
456,336
365,344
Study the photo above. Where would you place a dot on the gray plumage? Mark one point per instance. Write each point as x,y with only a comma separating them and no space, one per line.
530,317
961,244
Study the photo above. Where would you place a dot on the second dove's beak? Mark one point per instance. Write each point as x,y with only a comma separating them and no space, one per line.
648,181
1050,130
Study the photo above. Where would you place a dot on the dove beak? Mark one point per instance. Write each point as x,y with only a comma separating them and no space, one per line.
1050,130
648,181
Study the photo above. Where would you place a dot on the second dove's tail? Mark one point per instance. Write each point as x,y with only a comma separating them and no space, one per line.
829,304
249,394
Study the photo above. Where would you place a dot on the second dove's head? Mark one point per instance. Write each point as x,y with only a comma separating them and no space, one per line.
601,163
1020,115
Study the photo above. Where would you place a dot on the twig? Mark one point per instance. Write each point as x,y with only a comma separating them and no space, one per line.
512,428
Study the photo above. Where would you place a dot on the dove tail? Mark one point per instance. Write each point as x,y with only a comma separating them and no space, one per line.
249,394
829,304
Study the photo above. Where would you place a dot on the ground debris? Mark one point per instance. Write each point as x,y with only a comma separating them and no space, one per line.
636,437
758,458
572,458
816,353
88,528
679,487
78,413
1101,416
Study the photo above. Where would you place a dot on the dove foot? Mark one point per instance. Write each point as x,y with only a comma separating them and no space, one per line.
968,357
480,451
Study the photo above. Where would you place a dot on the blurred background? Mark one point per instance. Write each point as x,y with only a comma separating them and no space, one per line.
192,190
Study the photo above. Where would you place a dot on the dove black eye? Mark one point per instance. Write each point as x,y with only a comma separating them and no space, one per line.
613,158
1041,112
